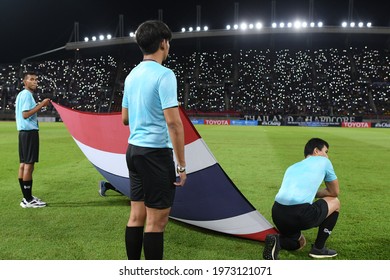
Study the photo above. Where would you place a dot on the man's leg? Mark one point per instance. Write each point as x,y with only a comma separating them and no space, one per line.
156,222
325,229
135,230
25,179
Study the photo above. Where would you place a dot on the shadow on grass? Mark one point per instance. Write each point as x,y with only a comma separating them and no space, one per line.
100,202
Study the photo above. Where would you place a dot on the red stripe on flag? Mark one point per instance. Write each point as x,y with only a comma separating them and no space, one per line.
106,132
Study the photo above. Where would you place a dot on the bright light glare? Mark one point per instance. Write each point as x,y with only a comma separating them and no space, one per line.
244,26
206,28
183,29
198,28
235,26
289,24
369,24
259,25
361,24
101,37
320,24
274,25
109,37
297,24
93,38
344,24
312,24
352,24
86,39
281,25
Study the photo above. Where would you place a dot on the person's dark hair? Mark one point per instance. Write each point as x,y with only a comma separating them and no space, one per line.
150,34
314,143
31,73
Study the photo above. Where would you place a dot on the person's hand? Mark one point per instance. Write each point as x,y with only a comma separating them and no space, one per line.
182,179
45,102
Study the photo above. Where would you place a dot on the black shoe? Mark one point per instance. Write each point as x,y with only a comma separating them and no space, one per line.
322,253
272,247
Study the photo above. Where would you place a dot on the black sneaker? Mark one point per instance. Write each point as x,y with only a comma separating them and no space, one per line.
102,188
272,247
322,253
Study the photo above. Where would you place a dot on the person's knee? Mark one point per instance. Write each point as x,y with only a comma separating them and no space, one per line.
334,205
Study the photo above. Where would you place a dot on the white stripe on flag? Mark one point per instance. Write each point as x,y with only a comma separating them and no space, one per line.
197,156
248,223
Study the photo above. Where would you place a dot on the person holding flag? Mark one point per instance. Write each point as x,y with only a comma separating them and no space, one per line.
150,108
294,209
26,110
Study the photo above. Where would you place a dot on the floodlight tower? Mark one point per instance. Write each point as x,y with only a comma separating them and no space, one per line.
350,19
120,26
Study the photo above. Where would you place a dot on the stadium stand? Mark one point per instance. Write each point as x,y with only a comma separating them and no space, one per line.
353,81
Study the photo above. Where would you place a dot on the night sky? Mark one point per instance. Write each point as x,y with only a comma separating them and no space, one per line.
32,27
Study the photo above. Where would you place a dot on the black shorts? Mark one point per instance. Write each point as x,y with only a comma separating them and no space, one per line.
290,220
152,176
28,146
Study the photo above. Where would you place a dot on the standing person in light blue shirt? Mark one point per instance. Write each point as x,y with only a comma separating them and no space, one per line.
150,108
295,210
27,124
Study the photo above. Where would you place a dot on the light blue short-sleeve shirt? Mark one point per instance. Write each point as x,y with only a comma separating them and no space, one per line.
25,102
302,180
149,89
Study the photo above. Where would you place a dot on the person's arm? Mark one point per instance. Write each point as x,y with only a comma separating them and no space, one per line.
125,116
332,189
176,132
29,113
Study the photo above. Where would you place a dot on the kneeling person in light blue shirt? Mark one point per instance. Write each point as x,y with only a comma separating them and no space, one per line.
295,208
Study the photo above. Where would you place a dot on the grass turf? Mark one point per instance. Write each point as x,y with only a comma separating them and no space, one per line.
79,224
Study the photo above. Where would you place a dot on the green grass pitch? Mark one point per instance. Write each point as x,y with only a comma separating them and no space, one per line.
78,224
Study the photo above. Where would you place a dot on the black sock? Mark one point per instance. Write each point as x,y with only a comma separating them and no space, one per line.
153,245
325,229
26,187
134,239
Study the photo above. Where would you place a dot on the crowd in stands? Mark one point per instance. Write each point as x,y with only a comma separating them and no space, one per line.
311,82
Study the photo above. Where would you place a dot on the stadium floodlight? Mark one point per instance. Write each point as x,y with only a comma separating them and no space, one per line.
190,29
132,34
312,24
198,28
235,27
352,24
93,38
228,27
86,39
361,24
281,25
183,30
244,26
297,24
304,24
289,24
274,25
369,24
320,24
109,37
259,25
251,26
101,37
344,24
206,28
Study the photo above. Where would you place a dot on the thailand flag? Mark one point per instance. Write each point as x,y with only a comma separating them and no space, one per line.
209,198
